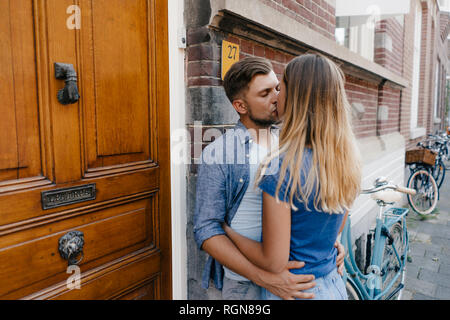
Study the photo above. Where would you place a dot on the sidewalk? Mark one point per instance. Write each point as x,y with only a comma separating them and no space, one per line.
428,274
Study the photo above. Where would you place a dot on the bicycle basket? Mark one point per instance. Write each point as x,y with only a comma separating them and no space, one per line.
420,156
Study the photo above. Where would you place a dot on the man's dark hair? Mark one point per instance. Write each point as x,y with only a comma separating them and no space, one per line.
241,74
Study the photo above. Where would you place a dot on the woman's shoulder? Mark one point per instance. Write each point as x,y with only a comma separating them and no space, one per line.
306,156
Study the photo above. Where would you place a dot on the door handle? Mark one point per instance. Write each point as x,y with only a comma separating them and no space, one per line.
70,247
69,94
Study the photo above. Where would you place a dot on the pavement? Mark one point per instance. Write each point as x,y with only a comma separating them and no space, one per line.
428,272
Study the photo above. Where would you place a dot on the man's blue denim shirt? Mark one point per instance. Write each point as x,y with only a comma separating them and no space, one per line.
222,181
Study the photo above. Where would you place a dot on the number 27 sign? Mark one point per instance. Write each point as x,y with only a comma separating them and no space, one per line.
230,55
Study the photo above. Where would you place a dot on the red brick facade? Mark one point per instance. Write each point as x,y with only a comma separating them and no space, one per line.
387,109
435,27
390,58
389,54
365,93
318,15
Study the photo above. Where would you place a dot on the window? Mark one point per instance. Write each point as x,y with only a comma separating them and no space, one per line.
356,34
356,19
444,5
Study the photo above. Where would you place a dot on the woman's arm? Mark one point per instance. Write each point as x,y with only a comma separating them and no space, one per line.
272,254
341,250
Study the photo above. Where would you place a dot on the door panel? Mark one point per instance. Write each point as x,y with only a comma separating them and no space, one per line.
118,43
61,45
105,232
115,137
16,212
120,277
19,143
147,291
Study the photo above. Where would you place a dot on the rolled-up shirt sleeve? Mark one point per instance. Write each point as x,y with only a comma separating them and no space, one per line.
210,203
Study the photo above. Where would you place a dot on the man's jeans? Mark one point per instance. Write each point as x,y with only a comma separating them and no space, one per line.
240,290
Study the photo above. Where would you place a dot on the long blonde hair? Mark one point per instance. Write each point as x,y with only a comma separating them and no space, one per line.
317,116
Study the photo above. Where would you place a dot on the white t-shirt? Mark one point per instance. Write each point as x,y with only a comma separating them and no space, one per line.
248,218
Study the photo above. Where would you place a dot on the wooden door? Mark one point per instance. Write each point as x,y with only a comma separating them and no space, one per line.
99,166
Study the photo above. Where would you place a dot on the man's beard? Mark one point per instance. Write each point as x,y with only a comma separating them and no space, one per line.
261,122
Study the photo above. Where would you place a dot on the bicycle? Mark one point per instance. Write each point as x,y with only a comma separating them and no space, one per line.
384,276
439,145
421,165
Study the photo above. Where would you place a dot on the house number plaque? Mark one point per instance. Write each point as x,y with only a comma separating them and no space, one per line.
62,197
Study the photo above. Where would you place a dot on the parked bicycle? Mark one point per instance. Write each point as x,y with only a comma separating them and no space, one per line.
438,143
422,168
386,256
443,145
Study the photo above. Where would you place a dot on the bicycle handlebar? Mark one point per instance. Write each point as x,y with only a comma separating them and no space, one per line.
436,138
391,187
406,190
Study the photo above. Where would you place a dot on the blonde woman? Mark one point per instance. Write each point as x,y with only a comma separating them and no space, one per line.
306,202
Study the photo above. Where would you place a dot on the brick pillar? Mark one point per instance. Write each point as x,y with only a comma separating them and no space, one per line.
425,65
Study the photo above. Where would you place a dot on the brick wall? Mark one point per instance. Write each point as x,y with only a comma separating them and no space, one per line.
204,55
389,53
434,65
204,71
426,83
388,110
444,25
365,93
278,58
441,47
389,45
407,66
432,48
318,15
425,64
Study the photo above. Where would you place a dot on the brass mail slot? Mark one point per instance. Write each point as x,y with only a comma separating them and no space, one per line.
62,197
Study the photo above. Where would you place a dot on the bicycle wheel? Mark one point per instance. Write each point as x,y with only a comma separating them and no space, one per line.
391,266
425,200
